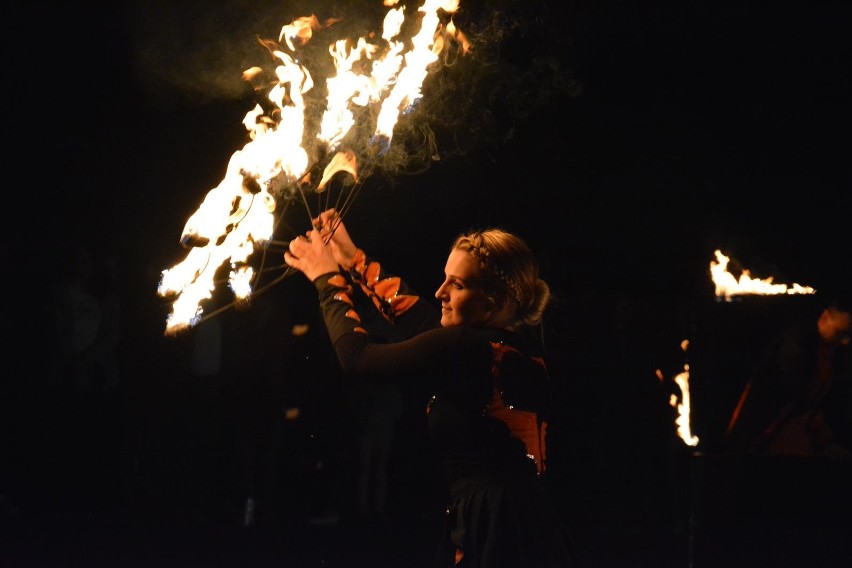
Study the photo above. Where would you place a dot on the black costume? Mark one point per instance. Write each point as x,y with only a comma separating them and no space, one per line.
487,417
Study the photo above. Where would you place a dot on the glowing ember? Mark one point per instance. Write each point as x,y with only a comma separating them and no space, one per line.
373,82
728,286
682,404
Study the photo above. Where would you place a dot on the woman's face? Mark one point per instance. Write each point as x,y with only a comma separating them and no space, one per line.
834,325
463,302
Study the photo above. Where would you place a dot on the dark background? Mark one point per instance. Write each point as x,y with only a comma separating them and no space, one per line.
625,142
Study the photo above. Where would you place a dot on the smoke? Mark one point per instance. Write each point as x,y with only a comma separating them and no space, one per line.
195,51
520,61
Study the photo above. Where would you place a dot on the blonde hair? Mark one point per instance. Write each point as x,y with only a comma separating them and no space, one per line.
509,271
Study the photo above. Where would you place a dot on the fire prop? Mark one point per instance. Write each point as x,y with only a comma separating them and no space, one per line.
375,81
682,403
727,286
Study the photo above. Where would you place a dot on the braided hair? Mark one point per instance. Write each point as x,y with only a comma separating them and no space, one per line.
510,271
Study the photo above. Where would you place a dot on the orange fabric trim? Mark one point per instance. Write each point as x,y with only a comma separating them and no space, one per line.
359,259
387,288
352,314
371,274
338,280
401,304
344,297
523,425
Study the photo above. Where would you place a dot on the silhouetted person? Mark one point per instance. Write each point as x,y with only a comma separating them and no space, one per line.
87,318
798,401
84,378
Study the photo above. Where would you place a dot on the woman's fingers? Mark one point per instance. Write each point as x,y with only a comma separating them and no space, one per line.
295,251
326,220
310,255
289,259
301,245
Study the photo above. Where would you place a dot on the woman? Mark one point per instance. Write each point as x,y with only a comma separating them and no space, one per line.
487,413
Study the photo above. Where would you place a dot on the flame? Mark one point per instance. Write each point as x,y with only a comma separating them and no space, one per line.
341,162
237,216
728,286
683,403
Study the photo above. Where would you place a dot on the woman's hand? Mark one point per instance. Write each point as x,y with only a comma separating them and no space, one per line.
334,231
311,255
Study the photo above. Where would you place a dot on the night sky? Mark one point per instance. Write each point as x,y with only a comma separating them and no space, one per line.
625,142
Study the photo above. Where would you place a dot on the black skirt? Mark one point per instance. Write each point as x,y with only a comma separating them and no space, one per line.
505,525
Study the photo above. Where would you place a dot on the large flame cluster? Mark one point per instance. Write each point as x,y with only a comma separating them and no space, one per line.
383,76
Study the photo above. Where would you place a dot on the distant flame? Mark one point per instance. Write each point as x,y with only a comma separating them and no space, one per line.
237,215
682,404
728,286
